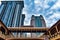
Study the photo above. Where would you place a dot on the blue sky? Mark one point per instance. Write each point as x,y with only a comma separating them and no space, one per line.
50,9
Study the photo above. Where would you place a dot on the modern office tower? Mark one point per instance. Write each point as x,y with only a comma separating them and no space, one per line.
37,21
11,13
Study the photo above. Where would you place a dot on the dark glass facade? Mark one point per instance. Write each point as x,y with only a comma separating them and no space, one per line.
22,20
11,13
38,21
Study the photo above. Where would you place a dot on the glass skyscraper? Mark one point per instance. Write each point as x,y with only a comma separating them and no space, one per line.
37,21
11,13
22,19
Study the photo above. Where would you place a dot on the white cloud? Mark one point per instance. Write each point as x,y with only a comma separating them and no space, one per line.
36,14
46,6
50,22
57,5
26,21
55,15
49,12
0,2
53,19
27,16
38,9
37,1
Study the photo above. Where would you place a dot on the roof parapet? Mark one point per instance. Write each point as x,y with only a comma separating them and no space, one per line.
11,0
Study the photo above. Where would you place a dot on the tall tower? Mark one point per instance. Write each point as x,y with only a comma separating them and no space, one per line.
11,13
22,19
37,21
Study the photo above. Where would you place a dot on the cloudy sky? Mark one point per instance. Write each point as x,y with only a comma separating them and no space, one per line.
50,9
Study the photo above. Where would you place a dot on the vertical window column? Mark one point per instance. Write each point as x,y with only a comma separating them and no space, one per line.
15,15
2,10
7,14
3,18
11,16
19,16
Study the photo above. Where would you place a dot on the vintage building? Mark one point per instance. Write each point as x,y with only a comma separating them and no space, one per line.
4,32
54,32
